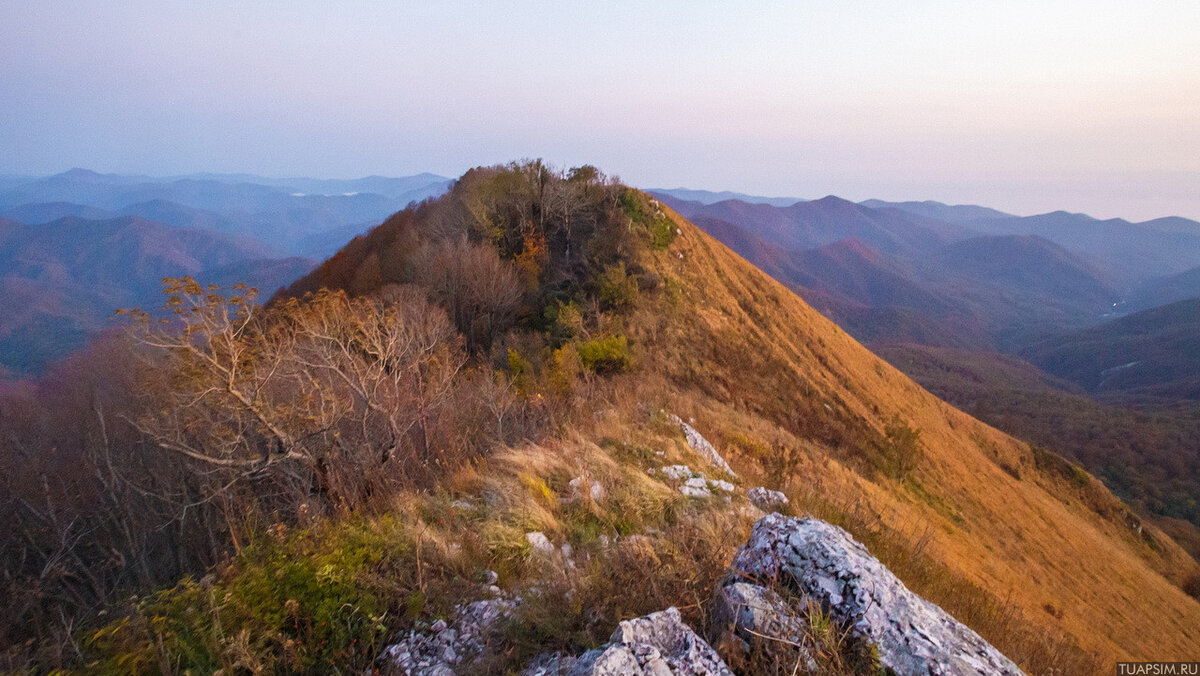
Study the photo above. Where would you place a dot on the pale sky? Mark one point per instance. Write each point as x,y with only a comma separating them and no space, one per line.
1024,106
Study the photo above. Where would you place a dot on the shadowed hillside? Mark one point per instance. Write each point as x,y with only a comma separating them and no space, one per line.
61,281
1154,353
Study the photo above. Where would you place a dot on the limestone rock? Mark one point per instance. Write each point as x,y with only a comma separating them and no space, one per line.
442,647
823,563
677,472
550,664
540,543
761,618
766,499
659,644
720,485
579,486
699,444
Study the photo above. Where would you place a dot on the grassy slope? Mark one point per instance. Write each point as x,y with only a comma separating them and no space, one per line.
748,343
1048,567
1150,457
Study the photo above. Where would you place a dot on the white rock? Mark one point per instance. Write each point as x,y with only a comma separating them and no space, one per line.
764,621
823,563
659,644
721,485
540,543
677,472
698,443
443,647
594,489
766,499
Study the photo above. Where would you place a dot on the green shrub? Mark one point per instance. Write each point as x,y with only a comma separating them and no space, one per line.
616,289
280,607
648,218
605,355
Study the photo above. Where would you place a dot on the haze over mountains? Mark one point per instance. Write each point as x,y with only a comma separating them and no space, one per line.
78,245
985,280
952,275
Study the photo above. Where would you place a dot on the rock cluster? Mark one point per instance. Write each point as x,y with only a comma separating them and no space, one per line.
821,563
695,484
657,644
441,648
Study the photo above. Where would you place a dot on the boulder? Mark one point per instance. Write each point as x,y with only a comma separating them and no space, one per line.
822,563
658,644
699,444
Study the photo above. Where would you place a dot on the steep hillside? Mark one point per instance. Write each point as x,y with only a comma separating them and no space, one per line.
1032,536
798,402
1150,457
1154,353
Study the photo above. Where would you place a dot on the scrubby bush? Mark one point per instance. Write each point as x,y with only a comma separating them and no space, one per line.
901,449
606,355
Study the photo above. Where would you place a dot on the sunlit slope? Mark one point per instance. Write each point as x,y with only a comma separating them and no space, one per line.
755,359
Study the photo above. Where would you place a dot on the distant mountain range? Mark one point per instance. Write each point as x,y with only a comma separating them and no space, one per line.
710,197
1155,352
888,274
960,276
283,212
1052,287
77,245
60,281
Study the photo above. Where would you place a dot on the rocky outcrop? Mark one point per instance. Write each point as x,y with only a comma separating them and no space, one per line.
443,648
699,444
657,644
814,561
759,620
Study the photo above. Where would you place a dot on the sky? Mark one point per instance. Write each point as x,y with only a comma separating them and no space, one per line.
1023,106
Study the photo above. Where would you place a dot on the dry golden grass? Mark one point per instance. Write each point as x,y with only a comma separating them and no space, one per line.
760,369
1049,567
